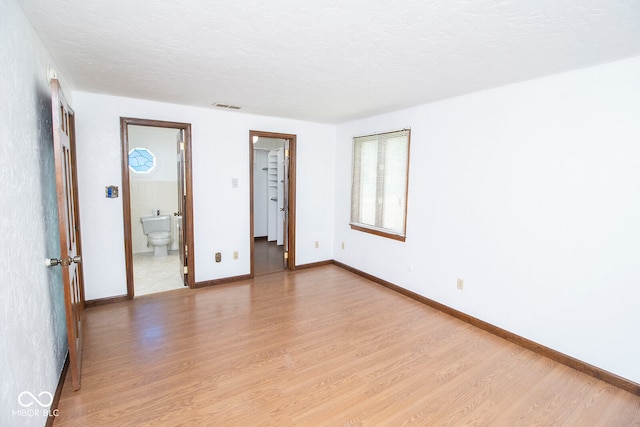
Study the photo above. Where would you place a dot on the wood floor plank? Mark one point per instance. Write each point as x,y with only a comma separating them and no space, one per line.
320,346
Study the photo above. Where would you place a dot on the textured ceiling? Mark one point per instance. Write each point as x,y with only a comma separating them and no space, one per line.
325,60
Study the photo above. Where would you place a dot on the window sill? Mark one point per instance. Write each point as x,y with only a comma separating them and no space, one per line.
378,232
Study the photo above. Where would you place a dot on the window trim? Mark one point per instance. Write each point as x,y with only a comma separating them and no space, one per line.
372,229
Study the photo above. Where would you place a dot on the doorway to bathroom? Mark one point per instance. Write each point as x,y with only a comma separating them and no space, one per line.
157,205
273,214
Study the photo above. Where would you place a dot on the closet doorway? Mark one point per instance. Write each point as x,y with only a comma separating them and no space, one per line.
157,205
272,166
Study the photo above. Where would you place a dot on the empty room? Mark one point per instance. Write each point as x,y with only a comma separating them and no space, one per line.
320,213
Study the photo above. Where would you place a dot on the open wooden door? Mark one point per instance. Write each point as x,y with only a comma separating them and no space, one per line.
182,208
285,205
70,245
288,207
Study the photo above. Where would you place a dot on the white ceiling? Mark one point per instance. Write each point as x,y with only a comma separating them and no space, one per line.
325,60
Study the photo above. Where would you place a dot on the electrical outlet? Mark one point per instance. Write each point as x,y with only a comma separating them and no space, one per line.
235,254
218,257
460,284
317,244
342,245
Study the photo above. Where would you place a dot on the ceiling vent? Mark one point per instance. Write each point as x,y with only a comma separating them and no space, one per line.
230,107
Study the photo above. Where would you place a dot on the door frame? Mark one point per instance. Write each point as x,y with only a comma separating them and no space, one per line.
291,227
187,216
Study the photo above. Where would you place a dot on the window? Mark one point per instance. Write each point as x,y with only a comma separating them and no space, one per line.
141,160
379,183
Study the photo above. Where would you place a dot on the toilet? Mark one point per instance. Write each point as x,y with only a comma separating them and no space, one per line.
158,231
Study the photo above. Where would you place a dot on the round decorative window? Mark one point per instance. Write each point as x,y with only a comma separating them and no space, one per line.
141,160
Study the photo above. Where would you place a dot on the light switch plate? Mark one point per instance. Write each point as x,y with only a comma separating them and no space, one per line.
111,191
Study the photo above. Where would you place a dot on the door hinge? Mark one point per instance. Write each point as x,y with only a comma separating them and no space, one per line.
286,255
286,152
182,146
185,269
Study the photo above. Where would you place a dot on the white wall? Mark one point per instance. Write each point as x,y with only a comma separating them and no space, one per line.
162,142
32,318
531,194
221,213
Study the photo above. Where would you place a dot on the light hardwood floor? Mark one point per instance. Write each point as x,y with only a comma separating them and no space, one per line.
318,347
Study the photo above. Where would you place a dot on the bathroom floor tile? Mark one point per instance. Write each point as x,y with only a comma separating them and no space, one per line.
156,274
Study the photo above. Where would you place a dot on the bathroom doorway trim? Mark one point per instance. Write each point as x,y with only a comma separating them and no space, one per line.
290,235
187,215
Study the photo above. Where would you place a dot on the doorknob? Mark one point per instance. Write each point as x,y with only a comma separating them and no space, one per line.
52,262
